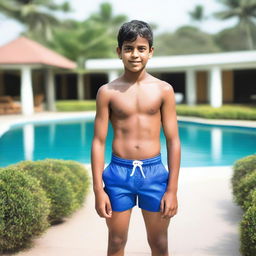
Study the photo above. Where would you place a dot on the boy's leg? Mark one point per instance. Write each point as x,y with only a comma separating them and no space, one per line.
157,232
118,226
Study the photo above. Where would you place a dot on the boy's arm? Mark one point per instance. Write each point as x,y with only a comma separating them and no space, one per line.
98,148
170,128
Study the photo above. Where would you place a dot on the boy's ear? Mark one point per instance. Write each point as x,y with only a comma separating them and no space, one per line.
118,51
150,54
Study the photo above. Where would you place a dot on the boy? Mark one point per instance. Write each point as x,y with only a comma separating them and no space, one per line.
137,104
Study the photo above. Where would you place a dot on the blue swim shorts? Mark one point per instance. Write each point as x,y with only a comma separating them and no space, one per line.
126,180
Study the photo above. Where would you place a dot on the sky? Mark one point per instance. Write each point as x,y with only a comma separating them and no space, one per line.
167,14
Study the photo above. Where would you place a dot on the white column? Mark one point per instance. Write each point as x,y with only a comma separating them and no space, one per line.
27,100
215,87
80,86
50,90
190,87
112,75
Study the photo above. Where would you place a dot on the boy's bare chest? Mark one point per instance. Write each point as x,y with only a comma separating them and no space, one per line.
130,102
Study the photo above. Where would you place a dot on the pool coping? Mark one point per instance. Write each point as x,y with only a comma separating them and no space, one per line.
8,121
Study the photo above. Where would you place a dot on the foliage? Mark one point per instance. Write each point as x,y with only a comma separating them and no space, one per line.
94,37
245,12
185,40
37,15
57,188
247,231
73,172
223,112
241,168
243,189
74,105
197,14
230,39
24,209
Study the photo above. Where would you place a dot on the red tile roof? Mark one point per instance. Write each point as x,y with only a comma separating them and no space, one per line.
25,51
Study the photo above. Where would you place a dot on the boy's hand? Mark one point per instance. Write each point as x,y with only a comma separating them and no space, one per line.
169,204
102,204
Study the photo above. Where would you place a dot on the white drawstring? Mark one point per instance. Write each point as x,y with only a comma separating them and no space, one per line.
139,164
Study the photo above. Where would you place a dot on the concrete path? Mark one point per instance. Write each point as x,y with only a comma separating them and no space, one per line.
206,224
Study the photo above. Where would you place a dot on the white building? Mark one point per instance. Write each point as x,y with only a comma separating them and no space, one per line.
214,78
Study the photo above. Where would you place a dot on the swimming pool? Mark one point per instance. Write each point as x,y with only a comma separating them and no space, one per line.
202,145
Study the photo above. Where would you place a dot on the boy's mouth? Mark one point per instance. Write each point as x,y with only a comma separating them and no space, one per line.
135,62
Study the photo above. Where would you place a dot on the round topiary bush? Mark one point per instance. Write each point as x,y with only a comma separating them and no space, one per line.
247,229
244,188
58,189
70,174
24,209
81,173
241,168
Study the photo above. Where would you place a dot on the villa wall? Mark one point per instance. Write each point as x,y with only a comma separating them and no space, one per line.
2,83
201,78
228,86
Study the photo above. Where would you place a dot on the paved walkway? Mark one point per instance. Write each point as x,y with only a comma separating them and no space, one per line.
206,224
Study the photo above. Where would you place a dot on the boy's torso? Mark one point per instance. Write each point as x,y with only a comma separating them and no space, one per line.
135,114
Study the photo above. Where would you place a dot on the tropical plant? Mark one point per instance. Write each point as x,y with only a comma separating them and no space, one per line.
93,38
37,15
245,12
185,40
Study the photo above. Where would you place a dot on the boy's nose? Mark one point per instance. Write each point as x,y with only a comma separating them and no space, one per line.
135,53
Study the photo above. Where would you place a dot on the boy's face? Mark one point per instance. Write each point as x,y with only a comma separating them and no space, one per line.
135,54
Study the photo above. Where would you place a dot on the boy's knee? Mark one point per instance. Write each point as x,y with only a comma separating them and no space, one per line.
159,244
116,242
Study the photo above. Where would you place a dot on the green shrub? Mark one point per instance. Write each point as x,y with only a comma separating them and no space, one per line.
57,188
224,112
74,173
244,188
241,168
84,181
247,230
251,199
24,209
76,105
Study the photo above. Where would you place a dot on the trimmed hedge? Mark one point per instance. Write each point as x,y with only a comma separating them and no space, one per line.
244,191
34,195
58,189
224,112
76,105
241,168
247,231
24,209
82,174
244,188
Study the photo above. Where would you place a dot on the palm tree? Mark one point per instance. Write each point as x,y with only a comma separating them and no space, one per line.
106,18
93,38
245,11
37,15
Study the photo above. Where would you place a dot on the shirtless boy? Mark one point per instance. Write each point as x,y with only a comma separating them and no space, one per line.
137,104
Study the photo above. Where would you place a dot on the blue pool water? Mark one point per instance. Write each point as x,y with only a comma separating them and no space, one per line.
202,145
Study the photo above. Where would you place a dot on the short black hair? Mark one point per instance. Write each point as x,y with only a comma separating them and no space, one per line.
129,31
